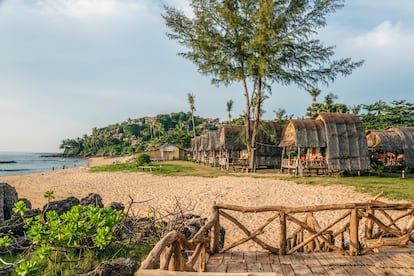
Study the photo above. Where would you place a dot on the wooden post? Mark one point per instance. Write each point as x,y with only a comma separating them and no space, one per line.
369,224
177,262
309,221
203,259
215,237
282,237
353,233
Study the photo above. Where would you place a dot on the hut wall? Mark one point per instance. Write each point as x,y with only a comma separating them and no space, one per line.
407,141
347,147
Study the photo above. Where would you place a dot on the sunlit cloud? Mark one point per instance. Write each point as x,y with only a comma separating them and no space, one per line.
386,36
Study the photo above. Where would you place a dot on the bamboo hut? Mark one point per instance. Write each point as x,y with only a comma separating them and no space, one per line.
195,145
233,150
212,148
392,147
329,142
202,149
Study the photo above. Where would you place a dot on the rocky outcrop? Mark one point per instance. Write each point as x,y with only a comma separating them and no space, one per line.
8,197
190,224
117,206
61,206
92,199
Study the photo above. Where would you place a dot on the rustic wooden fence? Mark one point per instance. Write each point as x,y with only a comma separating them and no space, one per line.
358,229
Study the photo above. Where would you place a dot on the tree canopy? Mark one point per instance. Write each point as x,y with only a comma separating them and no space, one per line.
257,43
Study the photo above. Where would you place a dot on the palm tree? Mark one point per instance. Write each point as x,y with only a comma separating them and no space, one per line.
229,108
314,92
191,100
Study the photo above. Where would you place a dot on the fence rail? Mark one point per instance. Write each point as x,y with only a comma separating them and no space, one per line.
358,229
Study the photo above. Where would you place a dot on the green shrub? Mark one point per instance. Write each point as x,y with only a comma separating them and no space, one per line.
143,159
62,242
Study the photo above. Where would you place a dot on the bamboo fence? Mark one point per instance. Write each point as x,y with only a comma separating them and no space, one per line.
358,229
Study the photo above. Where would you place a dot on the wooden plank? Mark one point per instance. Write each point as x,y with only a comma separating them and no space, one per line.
250,257
263,257
313,263
277,269
359,270
301,269
403,261
287,270
237,266
285,259
336,271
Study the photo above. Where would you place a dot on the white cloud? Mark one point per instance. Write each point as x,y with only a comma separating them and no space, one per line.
385,36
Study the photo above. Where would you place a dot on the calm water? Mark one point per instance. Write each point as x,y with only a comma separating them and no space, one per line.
13,163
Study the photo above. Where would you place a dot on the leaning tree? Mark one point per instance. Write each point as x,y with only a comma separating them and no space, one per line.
257,43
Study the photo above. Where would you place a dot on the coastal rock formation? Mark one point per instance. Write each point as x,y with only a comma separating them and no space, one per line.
61,206
92,199
116,206
189,224
8,197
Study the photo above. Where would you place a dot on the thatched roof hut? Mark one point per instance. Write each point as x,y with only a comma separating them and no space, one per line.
232,139
342,137
384,140
394,139
346,145
304,133
203,142
212,140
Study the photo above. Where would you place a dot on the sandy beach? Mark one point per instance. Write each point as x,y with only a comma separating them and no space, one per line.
194,194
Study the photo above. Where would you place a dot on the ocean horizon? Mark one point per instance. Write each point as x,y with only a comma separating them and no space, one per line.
16,163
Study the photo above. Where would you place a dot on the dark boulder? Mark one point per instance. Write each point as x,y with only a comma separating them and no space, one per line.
117,206
8,197
61,206
190,224
92,199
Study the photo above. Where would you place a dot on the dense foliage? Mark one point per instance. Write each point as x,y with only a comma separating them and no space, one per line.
376,116
136,135
381,115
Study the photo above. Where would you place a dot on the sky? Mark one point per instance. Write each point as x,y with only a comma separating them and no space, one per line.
67,66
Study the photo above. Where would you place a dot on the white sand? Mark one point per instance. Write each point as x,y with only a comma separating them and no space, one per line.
194,194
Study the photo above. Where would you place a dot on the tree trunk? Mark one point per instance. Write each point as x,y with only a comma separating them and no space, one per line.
247,124
192,120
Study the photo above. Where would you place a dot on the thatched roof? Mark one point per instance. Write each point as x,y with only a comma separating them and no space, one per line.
213,140
407,141
342,136
346,145
384,139
303,133
233,137
394,139
195,143
203,143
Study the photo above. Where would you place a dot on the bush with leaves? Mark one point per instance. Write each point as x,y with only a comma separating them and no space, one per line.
61,242
143,159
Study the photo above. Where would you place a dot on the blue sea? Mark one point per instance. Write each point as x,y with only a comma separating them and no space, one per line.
14,163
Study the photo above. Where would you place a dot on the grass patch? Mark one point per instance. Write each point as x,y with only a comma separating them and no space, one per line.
163,168
392,186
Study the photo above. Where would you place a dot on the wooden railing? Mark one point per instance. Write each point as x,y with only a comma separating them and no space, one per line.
356,229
